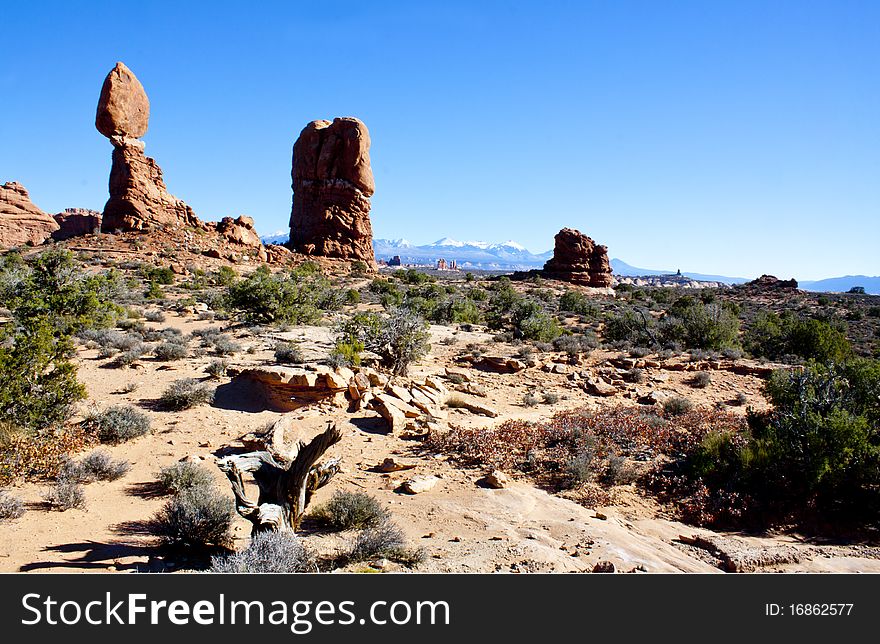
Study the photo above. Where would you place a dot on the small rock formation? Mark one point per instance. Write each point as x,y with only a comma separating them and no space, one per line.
240,231
332,186
21,222
138,196
771,282
74,222
579,260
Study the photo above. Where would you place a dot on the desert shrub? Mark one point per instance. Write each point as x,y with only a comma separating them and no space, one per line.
550,398
289,353
268,552
225,346
572,344
820,438
129,356
531,399
630,325
635,375
399,339
225,276
199,517
731,353
383,540
181,476
158,274
577,302
168,351
38,385
66,494
39,454
154,291
352,296
348,510
118,424
773,336
95,466
579,468
186,393
155,315
11,507
217,368
740,399
676,406
701,380
266,298
699,325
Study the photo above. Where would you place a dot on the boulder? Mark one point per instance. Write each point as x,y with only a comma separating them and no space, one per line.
419,484
21,222
332,186
138,199
239,231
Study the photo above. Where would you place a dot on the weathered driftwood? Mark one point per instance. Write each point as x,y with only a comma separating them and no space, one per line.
287,476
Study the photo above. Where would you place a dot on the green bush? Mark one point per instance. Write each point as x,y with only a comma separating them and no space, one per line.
699,325
289,353
266,298
577,302
38,385
348,510
773,336
677,406
159,275
399,339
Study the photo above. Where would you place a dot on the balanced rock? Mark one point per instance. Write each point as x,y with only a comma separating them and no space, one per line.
579,260
123,109
139,199
332,186
21,222
74,222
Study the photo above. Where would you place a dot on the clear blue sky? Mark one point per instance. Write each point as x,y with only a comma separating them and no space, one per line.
733,138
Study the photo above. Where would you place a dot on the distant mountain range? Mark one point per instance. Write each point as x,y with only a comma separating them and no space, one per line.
511,256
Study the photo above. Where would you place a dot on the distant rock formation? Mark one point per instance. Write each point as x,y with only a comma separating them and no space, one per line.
332,186
579,260
240,231
771,282
74,222
21,222
138,196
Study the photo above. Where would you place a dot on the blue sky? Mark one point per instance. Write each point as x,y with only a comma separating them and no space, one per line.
734,138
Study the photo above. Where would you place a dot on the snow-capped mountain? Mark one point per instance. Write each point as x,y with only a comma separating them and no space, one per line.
508,255
278,237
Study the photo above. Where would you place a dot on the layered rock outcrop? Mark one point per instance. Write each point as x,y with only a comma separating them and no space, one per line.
772,283
579,260
139,199
332,186
74,222
21,222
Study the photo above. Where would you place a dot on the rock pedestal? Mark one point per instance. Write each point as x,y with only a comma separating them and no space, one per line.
332,186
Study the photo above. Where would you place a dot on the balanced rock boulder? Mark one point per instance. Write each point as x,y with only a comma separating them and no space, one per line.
139,199
579,260
332,186
74,222
21,222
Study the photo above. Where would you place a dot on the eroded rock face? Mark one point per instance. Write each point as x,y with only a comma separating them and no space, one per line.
21,222
771,282
579,260
332,186
139,199
74,222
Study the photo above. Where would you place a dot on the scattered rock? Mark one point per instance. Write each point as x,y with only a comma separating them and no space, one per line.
419,484
390,465
496,479
604,566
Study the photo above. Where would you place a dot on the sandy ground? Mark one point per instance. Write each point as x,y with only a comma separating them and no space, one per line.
462,527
